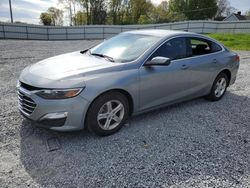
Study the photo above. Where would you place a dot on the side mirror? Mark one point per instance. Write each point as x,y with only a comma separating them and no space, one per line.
160,61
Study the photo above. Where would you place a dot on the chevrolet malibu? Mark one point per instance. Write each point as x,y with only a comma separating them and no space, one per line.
134,72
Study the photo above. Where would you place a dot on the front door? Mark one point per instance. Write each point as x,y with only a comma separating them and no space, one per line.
166,83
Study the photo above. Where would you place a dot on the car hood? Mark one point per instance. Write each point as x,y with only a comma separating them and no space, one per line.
63,71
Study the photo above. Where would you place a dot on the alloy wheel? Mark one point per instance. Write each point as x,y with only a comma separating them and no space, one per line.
110,115
220,88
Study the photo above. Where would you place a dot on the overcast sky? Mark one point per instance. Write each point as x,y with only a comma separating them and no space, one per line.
30,10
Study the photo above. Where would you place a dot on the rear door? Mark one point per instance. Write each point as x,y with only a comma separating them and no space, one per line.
202,64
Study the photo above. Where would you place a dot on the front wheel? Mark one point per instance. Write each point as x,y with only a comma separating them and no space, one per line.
107,113
219,87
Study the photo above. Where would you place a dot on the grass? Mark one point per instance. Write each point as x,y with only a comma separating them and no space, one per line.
233,41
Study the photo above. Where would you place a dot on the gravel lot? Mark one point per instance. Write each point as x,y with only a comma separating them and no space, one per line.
192,144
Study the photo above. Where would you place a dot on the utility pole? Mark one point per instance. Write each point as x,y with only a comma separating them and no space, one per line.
11,16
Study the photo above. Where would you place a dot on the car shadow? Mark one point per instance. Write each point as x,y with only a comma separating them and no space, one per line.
191,142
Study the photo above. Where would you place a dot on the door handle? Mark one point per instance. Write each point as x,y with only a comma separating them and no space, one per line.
184,67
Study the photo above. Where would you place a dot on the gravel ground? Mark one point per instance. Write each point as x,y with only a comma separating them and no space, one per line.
192,144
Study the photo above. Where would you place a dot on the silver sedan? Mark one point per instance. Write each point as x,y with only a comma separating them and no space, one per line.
134,72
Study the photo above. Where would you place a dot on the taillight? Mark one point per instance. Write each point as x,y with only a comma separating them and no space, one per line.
237,58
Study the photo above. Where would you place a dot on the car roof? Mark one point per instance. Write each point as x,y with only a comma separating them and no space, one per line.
157,32
169,33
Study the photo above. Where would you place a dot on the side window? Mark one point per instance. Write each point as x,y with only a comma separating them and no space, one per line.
202,46
215,47
174,49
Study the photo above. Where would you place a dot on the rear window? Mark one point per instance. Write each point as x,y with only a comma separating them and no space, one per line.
199,46
216,47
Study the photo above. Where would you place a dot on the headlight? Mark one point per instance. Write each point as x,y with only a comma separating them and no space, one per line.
59,94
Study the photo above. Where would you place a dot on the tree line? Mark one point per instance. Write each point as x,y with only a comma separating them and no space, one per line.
121,12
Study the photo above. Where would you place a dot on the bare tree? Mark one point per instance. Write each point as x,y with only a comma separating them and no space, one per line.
115,7
70,6
56,15
98,11
248,13
224,8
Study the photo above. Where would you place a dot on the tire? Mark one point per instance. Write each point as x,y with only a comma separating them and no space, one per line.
218,91
103,117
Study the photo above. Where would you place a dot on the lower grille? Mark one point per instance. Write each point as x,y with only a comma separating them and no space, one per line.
26,104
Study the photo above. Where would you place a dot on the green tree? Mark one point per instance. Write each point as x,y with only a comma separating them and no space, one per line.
139,11
96,10
177,5
194,9
160,14
85,4
138,8
201,10
144,19
80,18
115,11
46,18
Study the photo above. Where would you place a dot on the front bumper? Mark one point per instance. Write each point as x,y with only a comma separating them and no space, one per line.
59,115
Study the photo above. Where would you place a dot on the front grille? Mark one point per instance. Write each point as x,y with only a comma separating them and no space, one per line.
26,104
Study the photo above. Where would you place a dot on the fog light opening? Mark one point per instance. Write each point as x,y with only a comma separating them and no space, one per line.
55,115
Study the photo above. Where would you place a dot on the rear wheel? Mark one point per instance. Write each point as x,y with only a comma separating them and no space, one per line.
219,87
107,113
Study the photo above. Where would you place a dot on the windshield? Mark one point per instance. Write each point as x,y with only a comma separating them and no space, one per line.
125,47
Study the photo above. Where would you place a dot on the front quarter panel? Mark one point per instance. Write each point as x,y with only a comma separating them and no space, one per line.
125,79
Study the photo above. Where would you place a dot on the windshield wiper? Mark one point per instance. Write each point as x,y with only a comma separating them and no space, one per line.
103,56
84,51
